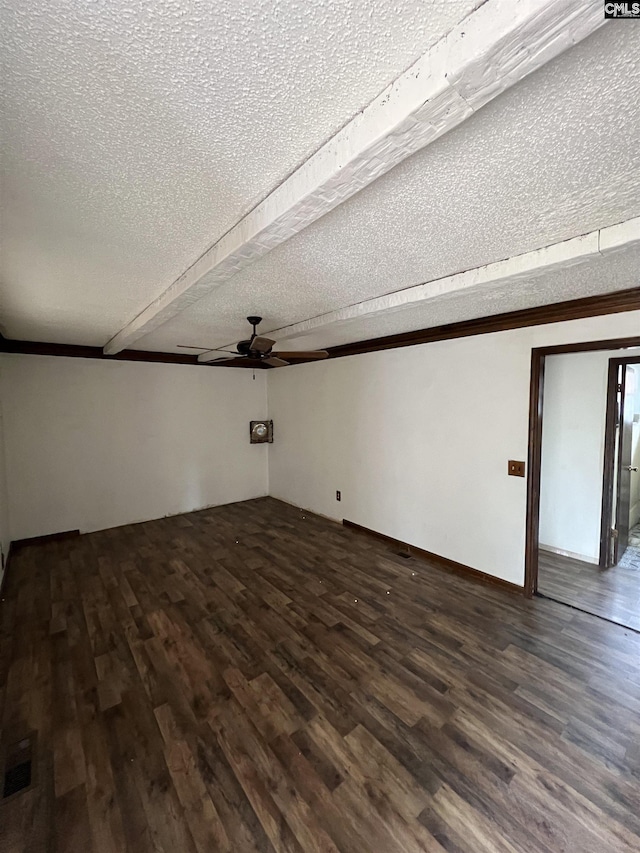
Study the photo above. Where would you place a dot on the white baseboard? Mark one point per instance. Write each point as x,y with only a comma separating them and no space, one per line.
593,560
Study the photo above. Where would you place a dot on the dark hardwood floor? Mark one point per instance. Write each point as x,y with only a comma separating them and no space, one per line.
255,678
611,593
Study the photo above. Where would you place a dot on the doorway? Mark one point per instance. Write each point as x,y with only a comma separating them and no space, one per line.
620,535
583,514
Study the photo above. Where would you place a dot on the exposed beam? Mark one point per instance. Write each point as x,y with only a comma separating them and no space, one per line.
531,265
494,47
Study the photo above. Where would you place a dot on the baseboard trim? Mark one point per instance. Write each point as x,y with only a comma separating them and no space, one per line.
551,549
442,562
49,537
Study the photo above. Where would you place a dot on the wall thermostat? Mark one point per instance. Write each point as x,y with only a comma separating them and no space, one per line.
261,432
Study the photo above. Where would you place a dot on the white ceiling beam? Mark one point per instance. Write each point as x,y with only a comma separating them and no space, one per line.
558,256
493,48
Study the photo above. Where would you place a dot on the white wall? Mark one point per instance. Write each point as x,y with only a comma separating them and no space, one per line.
95,444
575,404
417,439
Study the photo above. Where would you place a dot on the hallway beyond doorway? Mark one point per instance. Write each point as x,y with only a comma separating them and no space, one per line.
613,593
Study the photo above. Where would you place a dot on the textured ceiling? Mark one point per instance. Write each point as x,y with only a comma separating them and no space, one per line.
617,271
554,157
136,133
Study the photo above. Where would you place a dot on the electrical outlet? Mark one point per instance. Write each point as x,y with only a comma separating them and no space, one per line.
338,496
516,469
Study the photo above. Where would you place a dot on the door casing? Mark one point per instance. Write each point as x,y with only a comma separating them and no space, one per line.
612,460
534,457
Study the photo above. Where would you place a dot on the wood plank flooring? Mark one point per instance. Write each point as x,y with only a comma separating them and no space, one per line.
255,678
611,593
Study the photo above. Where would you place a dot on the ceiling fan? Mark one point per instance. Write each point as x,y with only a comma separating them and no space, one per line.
255,352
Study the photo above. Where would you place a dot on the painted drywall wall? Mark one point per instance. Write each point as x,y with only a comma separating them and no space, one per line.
418,439
575,404
96,444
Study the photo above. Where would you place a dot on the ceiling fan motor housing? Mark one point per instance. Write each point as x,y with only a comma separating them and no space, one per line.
244,347
258,352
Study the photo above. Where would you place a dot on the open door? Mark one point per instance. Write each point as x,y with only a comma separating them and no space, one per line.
624,467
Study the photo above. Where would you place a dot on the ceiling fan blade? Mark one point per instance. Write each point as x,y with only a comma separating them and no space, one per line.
259,344
241,361
253,363
205,349
222,360
192,346
308,355
272,361
214,355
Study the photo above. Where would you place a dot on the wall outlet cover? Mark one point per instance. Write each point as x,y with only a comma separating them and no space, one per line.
516,469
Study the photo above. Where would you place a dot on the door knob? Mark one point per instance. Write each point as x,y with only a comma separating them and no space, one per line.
632,467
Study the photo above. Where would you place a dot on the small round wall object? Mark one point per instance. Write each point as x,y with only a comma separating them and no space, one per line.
261,432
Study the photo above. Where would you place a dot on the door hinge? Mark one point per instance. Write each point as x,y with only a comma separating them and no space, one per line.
619,387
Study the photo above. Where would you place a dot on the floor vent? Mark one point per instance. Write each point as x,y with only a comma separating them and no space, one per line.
18,767
403,554
17,779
